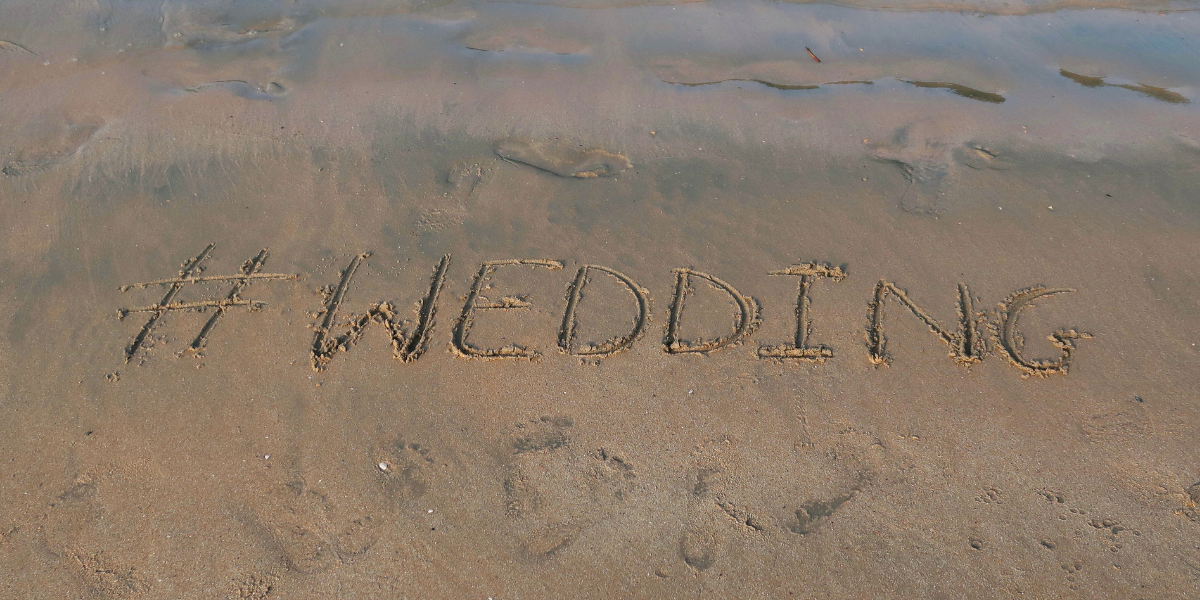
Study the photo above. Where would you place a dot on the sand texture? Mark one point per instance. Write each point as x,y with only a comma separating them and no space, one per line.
435,299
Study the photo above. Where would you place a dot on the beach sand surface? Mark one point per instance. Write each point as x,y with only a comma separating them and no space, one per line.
590,299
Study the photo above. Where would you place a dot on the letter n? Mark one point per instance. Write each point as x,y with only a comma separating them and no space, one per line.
966,345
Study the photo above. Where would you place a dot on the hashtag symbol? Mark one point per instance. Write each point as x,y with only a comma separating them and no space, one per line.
191,273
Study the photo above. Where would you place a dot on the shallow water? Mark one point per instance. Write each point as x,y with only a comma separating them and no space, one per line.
599,299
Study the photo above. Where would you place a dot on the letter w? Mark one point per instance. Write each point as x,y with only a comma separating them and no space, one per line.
406,347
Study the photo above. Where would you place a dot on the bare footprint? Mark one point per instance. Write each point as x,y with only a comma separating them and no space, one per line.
253,586
977,156
701,545
77,508
405,469
466,177
105,578
450,209
929,154
190,24
810,514
306,527
730,500
563,159
554,490
242,89
925,161
51,145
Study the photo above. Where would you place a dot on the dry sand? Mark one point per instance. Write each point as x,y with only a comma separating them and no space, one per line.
599,300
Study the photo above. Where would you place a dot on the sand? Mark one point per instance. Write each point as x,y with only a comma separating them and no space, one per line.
599,300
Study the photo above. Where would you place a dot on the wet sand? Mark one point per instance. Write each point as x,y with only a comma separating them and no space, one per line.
599,299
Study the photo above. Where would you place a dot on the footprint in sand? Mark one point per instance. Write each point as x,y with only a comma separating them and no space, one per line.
925,162
70,530
49,145
450,208
193,24
728,502
928,159
271,90
405,469
253,586
77,508
977,156
310,532
105,578
554,490
563,159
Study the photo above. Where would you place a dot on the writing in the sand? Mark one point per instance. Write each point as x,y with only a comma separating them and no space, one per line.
337,330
